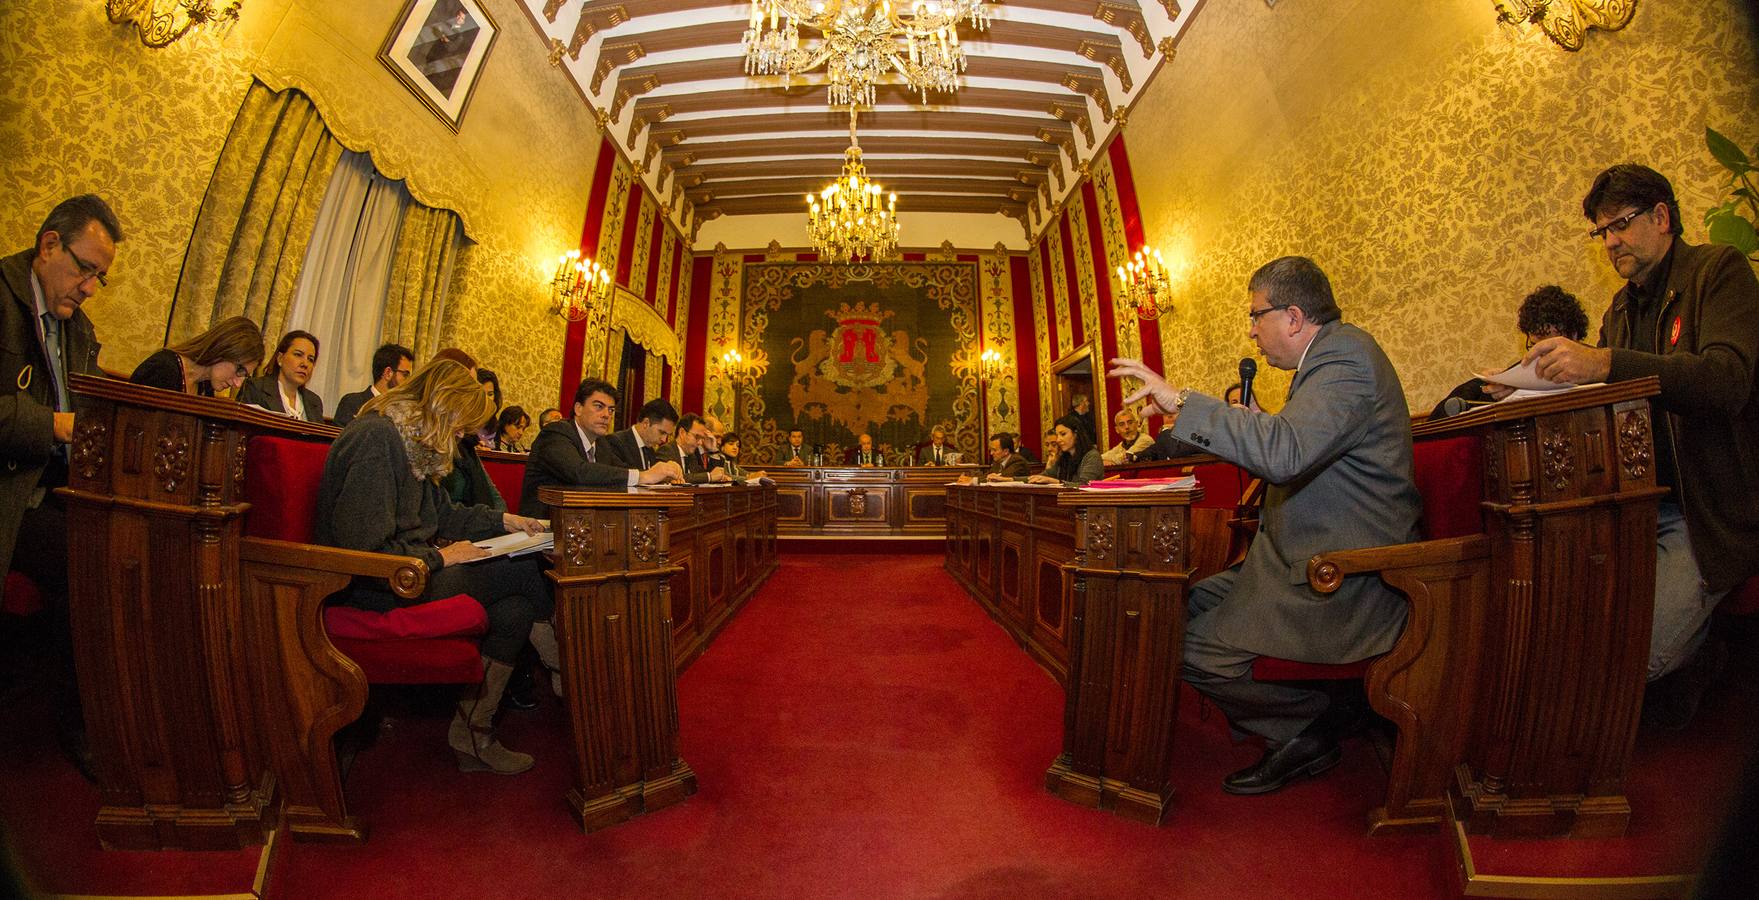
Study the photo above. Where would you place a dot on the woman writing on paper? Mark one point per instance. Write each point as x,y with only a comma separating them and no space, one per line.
381,493
1076,461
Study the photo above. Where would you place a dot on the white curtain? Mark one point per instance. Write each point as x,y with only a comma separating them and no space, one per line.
342,287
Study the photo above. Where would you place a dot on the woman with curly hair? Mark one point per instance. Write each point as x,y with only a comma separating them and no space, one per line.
381,493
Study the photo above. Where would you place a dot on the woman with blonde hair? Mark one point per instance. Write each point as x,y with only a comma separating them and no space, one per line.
381,492
216,360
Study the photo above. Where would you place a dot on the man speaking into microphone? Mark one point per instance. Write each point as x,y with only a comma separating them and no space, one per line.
1337,462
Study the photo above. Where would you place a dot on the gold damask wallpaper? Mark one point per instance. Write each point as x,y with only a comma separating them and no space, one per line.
85,107
1431,162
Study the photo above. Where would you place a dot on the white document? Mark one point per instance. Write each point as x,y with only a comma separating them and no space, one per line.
515,543
1524,378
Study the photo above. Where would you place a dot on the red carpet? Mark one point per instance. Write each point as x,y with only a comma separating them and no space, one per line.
861,728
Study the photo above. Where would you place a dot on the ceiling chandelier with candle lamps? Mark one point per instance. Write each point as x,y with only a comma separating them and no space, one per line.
853,217
863,40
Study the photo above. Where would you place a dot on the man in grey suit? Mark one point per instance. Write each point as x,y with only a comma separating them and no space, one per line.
1337,458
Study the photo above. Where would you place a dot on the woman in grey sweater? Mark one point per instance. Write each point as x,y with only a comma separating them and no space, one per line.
380,492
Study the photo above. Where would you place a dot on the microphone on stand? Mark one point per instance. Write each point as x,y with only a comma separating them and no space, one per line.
1248,368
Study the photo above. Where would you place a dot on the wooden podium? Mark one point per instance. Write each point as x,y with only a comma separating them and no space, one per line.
1131,575
155,500
614,622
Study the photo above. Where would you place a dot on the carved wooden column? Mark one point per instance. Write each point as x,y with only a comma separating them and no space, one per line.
1571,515
1131,573
614,623
154,506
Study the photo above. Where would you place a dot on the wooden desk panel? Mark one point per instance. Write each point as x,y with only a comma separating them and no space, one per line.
857,502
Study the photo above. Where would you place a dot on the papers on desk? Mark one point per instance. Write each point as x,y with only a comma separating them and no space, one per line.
1525,394
759,480
1522,377
1183,483
516,543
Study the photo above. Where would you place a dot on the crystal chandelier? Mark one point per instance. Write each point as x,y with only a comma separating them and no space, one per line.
846,219
861,41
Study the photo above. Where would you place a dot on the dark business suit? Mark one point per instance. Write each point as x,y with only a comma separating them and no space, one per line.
558,459
264,392
1337,460
696,465
789,453
1015,466
349,407
935,456
628,451
858,457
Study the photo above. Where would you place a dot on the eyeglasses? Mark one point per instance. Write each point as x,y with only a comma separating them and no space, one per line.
1254,314
87,271
1616,226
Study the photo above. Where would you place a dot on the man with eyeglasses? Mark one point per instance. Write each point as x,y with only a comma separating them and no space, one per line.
1688,314
1337,459
573,453
44,338
392,363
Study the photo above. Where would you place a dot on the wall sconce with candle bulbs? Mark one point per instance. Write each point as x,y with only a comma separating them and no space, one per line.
579,287
732,361
1146,284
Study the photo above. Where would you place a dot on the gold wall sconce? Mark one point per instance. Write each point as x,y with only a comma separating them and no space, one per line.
162,22
1566,22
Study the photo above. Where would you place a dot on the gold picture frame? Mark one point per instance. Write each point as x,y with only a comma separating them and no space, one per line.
438,49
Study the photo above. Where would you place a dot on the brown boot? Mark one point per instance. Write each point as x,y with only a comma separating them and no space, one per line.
543,639
472,735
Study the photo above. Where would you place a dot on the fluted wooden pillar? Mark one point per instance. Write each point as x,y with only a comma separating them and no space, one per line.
614,622
1130,579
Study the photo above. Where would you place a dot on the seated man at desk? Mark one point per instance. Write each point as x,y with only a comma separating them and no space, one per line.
937,453
1004,463
1686,316
1133,445
1337,459
690,452
794,453
573,453
637,446
864,455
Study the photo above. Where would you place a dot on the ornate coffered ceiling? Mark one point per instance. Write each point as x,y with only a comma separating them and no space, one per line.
1047,84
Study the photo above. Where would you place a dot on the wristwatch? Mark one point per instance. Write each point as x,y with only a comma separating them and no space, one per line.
1179,401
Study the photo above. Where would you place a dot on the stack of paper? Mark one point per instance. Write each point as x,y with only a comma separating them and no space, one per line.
1183,483
517,543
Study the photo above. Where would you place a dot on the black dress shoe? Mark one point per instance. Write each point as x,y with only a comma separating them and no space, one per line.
1307,754
521,690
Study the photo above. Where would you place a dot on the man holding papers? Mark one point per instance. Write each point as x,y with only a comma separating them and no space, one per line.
1687,314
1337,459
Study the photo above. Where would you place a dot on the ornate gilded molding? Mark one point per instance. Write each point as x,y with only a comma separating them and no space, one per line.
1567,22
644,325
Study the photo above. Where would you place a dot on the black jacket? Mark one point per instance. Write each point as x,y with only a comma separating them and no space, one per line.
349,407
627,451
1708,372
695,472
165,371
558,459
264,392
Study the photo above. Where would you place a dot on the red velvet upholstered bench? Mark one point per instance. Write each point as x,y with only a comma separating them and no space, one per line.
23,599
429,643
1446,471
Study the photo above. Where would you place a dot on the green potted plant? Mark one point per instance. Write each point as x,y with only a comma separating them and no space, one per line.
1732,222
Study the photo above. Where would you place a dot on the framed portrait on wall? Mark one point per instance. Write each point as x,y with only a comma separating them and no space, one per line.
438,48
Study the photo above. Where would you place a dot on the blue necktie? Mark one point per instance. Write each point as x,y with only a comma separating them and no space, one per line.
52,349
